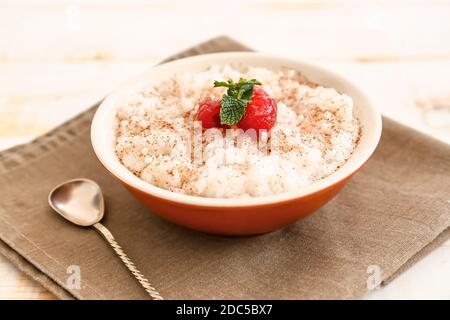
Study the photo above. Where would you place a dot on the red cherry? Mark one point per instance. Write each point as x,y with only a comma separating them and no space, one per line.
209,113
260,113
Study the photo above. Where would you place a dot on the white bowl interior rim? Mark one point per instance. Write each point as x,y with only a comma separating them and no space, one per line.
102,129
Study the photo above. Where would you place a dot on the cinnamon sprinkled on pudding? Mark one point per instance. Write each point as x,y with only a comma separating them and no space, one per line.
157,132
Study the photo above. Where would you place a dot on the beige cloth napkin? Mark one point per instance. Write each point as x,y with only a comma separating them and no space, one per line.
391,213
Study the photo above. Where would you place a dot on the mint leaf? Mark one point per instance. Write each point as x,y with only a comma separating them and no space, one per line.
246,92
239,94
232,110
222,83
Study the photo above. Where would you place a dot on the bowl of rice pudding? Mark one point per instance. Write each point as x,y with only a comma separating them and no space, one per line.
235,143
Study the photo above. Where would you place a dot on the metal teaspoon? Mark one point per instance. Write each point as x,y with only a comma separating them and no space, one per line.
81,202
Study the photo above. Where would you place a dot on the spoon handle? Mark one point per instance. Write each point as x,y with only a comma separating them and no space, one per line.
128,263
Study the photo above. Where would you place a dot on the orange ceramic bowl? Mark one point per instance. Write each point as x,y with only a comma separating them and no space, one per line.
236,216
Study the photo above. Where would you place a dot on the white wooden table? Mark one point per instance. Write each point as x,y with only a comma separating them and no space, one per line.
58,57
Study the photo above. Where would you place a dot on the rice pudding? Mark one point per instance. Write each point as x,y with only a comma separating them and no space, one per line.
307,133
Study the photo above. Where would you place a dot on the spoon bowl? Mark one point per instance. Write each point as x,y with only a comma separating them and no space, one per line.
80,201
